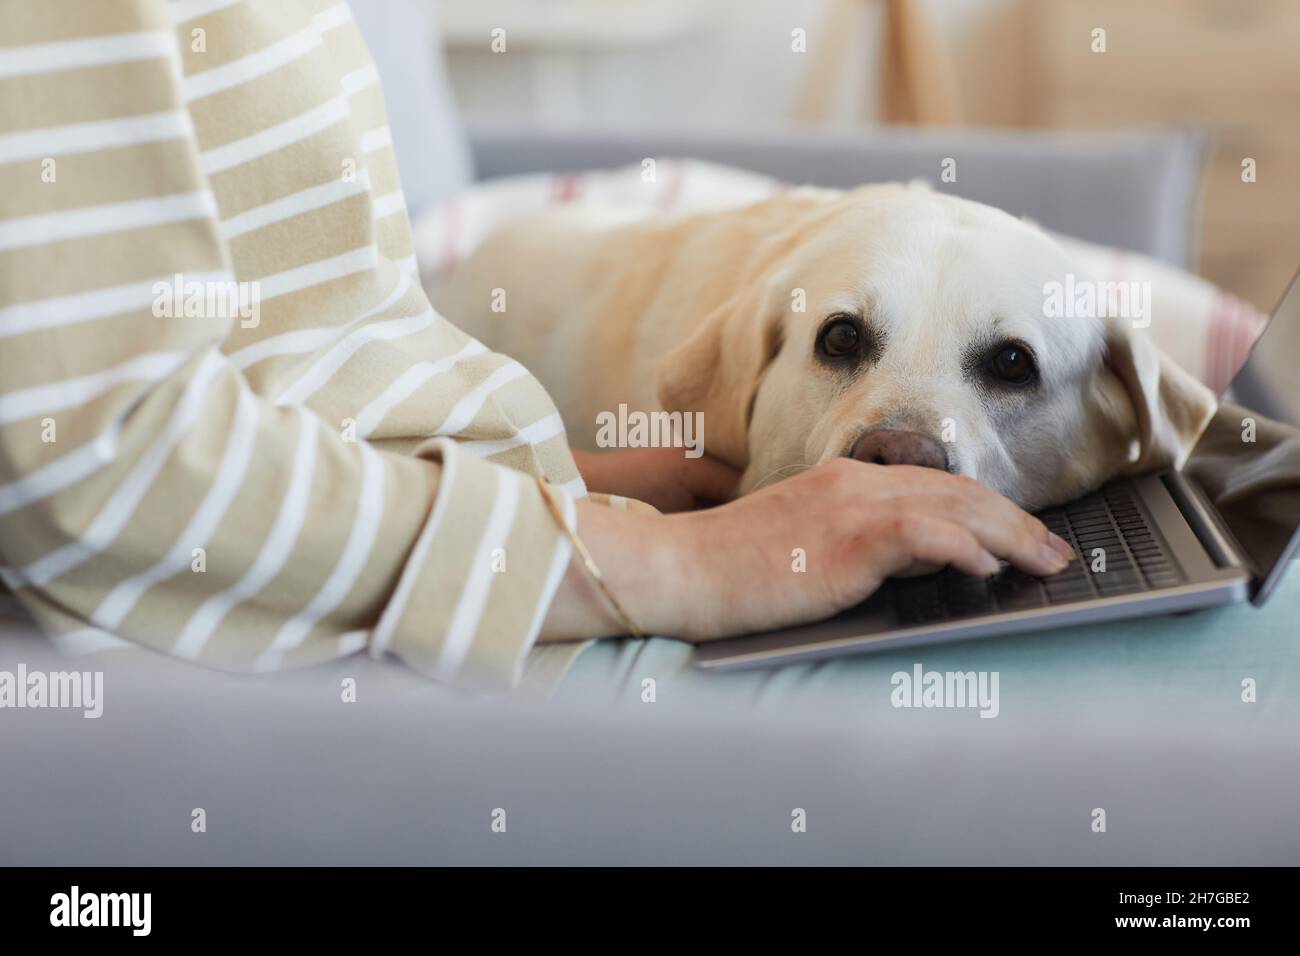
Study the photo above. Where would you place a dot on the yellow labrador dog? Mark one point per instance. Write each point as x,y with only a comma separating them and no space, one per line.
891,323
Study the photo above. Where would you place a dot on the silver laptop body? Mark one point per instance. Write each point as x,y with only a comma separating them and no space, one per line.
1218,531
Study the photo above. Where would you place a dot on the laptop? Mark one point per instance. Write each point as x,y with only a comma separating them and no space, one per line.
1220,530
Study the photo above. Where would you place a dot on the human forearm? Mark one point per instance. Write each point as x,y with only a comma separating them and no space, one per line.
663,477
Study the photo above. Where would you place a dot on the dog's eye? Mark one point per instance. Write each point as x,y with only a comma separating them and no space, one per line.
1012,363
840,338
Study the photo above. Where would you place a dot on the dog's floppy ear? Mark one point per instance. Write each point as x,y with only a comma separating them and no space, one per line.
1170,406
717,370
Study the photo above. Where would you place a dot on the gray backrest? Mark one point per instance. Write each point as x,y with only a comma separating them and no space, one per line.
1133,189
428,139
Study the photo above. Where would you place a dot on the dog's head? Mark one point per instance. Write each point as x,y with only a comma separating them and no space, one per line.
901,326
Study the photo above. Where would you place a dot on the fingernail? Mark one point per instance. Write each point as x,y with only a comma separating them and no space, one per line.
1061,545
988,564
1052,557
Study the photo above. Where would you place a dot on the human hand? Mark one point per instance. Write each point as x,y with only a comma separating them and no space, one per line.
856,524
730,570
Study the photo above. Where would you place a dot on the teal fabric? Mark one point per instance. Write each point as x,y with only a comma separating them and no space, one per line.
1189,664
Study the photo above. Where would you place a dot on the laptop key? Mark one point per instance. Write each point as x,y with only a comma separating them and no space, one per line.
1117,584
1163,579
1017,592
1061,592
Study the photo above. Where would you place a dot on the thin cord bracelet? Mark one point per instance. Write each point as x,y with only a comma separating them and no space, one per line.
592,570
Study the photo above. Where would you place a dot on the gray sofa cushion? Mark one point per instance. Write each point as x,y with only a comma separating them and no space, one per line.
1133,189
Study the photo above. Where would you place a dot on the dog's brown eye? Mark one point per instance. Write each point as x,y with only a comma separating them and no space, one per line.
1012,363
840,338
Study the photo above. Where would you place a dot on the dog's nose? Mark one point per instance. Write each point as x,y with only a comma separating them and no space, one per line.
887,446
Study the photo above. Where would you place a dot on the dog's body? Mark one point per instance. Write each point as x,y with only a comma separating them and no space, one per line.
890,323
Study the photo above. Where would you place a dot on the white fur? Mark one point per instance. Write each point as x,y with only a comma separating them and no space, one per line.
677,312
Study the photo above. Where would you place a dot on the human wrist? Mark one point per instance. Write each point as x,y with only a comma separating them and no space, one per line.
695,575
677,579
638,558
651,565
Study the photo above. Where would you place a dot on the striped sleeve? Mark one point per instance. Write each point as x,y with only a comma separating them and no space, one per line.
149,491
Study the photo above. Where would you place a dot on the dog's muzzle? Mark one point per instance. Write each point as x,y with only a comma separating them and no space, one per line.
888,446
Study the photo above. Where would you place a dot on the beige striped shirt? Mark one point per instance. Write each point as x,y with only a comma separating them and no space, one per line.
223,389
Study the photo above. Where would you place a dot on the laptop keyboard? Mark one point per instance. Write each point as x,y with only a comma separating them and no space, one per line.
1116,552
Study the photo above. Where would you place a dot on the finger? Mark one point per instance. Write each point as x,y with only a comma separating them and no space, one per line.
918,569
1021,538
914,537
1012,534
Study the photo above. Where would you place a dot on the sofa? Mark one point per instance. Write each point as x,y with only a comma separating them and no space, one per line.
1145,720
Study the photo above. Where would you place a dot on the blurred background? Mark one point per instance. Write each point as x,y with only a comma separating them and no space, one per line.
1229,68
